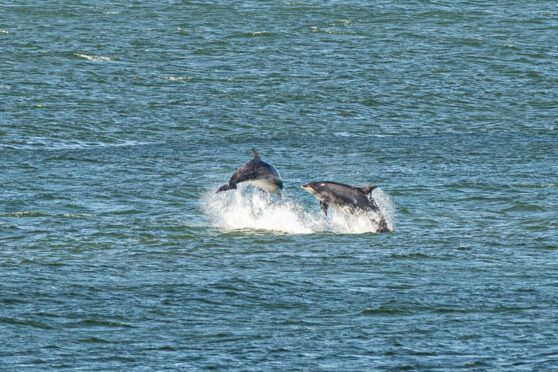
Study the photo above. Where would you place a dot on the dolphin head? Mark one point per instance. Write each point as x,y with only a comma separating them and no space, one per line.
275,185
312,188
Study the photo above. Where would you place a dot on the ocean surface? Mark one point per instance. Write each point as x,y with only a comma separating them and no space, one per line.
119,120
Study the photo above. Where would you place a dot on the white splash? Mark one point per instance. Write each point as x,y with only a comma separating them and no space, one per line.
387,207
243,209
249,209
345,223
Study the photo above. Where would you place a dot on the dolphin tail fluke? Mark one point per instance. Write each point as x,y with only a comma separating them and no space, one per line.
225,187
367,189
382,226
256,155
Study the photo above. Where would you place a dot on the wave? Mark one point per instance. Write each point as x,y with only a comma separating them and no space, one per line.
178,78
94,58
250,209
43,143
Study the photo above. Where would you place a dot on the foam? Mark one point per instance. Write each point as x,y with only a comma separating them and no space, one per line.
250,209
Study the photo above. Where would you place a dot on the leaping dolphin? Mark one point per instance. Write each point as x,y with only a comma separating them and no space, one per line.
258,173
346,197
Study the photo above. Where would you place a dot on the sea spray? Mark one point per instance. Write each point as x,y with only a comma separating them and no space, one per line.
247,208
386,205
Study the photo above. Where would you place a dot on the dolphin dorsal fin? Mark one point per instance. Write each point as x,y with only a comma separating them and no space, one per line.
256,155
367,189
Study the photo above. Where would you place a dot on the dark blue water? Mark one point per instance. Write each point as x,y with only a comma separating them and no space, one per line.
118,121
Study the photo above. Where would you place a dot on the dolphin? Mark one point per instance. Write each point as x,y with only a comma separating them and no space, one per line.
345,197
257,173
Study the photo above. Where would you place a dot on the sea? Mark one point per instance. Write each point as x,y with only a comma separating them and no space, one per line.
120,119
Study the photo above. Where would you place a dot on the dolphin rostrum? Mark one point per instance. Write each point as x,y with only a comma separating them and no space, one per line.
345,197
257,173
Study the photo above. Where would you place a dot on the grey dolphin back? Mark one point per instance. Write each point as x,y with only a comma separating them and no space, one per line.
254,170
246,172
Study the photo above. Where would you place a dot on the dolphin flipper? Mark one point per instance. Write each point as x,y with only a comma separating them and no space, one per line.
323,206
